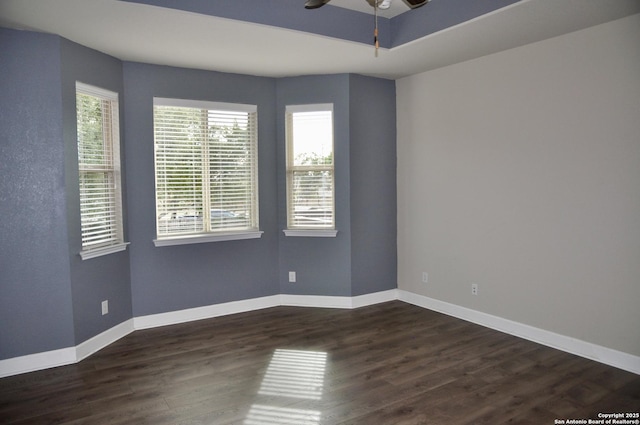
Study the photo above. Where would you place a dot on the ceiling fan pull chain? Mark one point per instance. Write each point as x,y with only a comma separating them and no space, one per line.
376,42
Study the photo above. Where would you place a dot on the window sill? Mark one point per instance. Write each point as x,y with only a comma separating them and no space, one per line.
217,237
311,233
106,250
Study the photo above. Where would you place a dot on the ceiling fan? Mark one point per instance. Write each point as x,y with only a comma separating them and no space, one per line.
376,4
380,4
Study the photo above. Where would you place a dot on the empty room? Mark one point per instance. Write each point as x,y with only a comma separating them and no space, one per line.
319,212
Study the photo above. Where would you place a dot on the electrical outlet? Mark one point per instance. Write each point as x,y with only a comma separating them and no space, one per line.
292,277
474,288
105,307
425,277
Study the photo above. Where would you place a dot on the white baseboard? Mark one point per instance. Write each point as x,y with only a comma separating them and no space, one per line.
321,301
206,312
571,345
65,356
104,339
317,301
70,355
233,307
37,361
374,298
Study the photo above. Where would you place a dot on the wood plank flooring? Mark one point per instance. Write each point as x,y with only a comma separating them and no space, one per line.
391,363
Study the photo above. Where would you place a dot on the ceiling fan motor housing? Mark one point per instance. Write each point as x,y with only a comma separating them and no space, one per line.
382,4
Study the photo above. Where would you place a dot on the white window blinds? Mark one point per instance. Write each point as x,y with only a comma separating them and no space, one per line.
99,168
206,167
310,168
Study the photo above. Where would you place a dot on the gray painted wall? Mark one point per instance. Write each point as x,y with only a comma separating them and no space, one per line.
362,258
35,293
50,298
179,277
372,121
322,265
106,277
523,177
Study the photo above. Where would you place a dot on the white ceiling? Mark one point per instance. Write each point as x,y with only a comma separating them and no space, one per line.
141,33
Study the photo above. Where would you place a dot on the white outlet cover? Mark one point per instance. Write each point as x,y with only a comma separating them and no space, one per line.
105,307
292,277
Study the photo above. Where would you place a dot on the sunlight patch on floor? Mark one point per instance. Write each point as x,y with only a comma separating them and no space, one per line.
291,375
271,415
294,373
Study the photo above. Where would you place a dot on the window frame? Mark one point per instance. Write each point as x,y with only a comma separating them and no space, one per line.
114,240
297,229
250,232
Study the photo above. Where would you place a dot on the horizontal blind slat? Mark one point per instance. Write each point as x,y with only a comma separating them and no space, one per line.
205,162
98,164
310,179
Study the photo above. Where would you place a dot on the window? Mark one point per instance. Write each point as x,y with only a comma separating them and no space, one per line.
99,171
206,170
310,171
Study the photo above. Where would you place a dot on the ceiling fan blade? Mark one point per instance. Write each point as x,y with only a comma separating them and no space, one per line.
314,4
416,3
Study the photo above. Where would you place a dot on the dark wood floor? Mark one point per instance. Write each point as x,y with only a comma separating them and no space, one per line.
391,363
